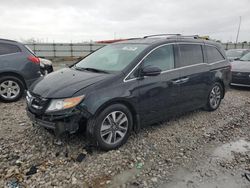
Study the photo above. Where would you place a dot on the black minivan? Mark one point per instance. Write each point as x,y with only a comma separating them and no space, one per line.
130,84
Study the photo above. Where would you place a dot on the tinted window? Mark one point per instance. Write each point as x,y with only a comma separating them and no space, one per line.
8,49
213,54
190,54
162,58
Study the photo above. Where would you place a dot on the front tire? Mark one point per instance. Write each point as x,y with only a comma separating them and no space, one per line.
215,96
11,88
110,129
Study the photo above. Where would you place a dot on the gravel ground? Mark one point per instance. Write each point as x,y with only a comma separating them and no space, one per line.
197,149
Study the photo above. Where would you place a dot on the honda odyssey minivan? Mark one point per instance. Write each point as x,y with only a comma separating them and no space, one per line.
130,84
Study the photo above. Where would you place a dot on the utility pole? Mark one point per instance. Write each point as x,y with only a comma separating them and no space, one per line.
238,31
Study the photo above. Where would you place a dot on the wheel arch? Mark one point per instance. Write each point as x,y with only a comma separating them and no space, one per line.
9,73
124,102
222,84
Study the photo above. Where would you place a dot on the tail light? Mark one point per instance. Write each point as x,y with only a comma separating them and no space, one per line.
34,59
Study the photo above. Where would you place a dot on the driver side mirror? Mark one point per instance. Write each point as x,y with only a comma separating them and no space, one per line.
150,71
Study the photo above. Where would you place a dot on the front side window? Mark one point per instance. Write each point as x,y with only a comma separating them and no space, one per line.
112,58
213,54
190,54
8,49
162,57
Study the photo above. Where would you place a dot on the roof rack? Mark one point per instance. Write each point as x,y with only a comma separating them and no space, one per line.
7,40
161,35
190,36
179,36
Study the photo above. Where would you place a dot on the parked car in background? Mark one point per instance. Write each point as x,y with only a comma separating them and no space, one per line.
19,68
241,71
46,66
126,85
235,54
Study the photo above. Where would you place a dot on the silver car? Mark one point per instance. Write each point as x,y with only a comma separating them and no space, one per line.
241,71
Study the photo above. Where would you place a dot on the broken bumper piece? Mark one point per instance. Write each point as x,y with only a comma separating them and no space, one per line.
69,122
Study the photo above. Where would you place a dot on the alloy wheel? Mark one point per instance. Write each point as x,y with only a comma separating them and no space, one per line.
9,89
215,97
114,127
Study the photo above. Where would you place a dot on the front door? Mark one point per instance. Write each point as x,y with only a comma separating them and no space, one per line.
158,95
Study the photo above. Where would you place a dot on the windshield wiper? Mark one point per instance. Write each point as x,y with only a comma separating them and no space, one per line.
91,69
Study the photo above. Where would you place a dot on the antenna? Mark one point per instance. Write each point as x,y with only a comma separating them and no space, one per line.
238,31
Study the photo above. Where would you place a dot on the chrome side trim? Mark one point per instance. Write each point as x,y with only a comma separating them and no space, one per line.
217,62
179,68
167,71
10,54
243,85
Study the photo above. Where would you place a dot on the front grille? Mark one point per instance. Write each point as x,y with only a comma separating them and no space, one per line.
241,74
36,103
241,78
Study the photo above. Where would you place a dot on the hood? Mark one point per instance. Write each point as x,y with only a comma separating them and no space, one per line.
65,82
240,66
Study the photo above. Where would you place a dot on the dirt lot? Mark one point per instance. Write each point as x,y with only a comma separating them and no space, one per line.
198,149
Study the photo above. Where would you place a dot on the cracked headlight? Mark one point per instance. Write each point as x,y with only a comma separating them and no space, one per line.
62,104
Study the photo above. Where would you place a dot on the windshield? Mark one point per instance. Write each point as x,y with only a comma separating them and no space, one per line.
111,58
234,53
246,57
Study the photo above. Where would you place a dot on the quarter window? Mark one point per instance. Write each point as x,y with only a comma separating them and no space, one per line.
213,54
190,54
162,57
8,49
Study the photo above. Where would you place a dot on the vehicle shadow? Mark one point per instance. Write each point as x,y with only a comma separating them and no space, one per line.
240,88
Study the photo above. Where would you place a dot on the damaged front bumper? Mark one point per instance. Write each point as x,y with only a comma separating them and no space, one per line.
60,123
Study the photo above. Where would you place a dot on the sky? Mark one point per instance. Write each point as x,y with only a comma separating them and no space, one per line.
86,20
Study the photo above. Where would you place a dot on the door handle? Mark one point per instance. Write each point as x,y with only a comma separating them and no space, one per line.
180,81
176,81
183,80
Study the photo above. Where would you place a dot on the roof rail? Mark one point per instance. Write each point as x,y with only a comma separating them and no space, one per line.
194,37
190,36
159,35
7,40
133,38
179,36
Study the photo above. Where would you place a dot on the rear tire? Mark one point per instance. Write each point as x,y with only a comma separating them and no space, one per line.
110,129
11,88
214,97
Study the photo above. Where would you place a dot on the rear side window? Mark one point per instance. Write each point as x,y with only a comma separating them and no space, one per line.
190,54
28,48
8,49
162,57
213,54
